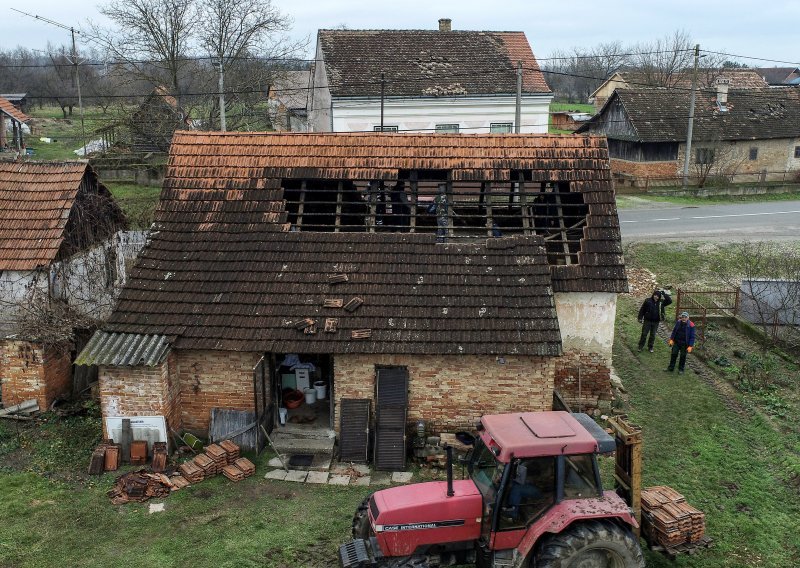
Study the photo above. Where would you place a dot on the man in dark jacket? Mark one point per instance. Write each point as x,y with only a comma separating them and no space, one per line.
681,341
649,315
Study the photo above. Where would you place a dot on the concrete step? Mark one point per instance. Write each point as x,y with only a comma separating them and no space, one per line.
290,444
307,431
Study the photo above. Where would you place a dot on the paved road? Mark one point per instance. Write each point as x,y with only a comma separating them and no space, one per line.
751,221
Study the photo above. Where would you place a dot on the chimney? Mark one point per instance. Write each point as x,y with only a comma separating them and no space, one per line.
445,25
722,94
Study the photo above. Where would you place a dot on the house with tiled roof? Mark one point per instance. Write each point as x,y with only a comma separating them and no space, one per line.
779,76
59,269
740,135
10,114
156,120
288,101
429,81
707,78
481,269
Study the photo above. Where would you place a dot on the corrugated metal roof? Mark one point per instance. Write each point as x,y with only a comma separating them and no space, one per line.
124,350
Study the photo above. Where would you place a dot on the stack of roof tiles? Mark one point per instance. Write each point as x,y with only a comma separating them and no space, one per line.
221,272
208,465
669,519
232,450
240,469
218,455
192,472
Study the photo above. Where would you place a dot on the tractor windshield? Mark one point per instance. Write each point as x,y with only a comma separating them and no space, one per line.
485,471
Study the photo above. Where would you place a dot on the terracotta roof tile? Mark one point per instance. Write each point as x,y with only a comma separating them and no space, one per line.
428,63
7,108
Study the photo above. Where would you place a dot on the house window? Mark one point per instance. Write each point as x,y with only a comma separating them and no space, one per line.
797,151
385,129
447,128
753,154
705,155
500,127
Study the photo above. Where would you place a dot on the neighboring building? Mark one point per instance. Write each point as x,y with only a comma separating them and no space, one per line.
432,81
738,136
483,267
288,101
11,120
706,79
19,100
779,76
156,120
569,120
58,264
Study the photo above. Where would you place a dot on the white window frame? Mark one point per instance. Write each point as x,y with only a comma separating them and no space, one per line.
447,128
501,127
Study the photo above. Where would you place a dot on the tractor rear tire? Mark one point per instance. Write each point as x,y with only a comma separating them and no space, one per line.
361,526
593,544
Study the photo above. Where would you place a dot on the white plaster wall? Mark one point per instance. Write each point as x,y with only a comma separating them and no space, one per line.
474,115
15,286
319,117
586,320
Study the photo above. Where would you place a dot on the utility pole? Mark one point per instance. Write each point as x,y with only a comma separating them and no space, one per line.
383,92
76,76
690,128
518,114
222,125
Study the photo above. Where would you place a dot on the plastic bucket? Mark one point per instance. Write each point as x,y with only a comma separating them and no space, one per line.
322,388
282,414
311,395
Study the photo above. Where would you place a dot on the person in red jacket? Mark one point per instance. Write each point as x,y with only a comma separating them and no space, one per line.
681,341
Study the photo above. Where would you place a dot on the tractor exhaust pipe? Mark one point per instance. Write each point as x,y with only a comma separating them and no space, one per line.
449,449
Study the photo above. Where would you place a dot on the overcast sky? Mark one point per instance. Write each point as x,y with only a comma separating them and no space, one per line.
767,29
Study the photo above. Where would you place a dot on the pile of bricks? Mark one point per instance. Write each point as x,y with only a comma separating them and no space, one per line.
140,486
668,519
218,458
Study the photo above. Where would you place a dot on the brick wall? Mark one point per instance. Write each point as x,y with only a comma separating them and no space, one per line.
214,379
28,371
584,381
635,174
138,391
453,391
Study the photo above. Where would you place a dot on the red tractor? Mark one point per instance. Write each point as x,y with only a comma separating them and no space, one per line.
533,497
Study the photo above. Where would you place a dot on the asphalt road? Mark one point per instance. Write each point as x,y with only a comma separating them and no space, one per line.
750,221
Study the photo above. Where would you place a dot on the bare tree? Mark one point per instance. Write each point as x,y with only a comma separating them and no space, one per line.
716,161
154,38
662,61
768,275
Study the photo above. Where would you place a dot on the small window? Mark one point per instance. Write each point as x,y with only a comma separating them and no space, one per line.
447,128
500,127
385,129
797,151
753,154
705,155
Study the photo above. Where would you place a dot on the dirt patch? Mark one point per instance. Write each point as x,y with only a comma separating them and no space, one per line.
319,555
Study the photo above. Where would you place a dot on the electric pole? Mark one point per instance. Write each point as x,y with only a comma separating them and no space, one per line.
76,76
222,125
690,127
518,114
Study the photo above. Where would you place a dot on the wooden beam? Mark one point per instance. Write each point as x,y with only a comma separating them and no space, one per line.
302,205
450,202
414,199
562,228
486,192
523,204
339,190
371,195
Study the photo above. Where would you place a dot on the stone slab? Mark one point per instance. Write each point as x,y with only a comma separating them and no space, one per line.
380,478
339,480
296,475
317,477
278,474
402,476
276,462
361,468
362,481
156,508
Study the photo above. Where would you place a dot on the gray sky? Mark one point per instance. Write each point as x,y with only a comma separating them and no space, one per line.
767,29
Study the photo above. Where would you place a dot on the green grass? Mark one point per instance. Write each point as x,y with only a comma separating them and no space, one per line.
137,201
629,202
572,107
65,134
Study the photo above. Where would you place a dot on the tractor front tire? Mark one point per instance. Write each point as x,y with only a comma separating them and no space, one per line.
361,526
593,544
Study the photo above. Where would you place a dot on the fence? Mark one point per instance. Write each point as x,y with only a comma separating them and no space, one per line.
703,305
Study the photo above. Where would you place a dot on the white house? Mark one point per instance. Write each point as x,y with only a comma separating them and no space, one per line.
429,81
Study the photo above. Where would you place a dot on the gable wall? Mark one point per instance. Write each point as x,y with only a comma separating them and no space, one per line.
30,371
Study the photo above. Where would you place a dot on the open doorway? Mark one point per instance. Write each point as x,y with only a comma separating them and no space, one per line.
302,386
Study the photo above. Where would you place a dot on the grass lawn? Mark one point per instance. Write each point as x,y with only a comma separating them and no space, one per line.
631,202
728,449
137,201
572,107
65,134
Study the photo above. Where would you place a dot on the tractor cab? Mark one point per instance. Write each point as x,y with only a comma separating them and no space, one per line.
533,497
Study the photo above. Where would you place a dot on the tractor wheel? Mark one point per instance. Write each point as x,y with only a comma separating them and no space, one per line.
593,544
361,526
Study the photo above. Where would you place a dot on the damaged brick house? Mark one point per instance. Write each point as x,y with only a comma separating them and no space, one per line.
483,268
59,268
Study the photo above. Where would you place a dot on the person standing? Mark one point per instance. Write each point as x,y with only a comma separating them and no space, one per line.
681,341
649,316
